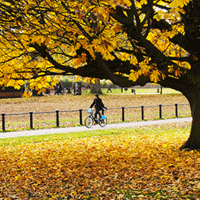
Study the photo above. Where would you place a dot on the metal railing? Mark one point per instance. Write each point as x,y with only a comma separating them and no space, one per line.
80,114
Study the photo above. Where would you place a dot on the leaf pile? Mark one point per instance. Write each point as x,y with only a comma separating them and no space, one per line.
107,167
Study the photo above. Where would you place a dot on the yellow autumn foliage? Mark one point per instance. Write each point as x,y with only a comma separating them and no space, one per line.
179,3
65,31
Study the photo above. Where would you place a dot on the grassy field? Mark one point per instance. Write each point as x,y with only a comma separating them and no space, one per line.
138,91
71,102
140,163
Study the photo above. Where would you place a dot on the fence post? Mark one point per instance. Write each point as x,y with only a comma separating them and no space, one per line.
3,122
57,118
31,119
81,116
160,111
142,110
176,110
123,117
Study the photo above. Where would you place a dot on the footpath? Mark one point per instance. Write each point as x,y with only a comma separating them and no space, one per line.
96,127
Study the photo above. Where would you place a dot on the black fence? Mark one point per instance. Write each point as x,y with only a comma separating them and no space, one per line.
140,111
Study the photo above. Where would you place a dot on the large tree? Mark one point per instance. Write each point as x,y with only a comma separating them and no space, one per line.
127,41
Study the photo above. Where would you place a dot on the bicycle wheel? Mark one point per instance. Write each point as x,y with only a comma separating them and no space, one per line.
103,122
89,122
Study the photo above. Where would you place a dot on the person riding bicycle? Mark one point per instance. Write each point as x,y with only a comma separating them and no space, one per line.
98,104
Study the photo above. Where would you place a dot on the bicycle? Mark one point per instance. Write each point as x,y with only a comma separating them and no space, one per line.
90,120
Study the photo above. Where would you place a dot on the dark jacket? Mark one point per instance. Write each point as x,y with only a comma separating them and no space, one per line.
98,104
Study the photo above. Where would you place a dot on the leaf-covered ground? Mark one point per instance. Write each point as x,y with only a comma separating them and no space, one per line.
119,166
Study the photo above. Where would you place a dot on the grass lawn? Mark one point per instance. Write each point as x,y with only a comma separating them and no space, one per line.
142,163
139,91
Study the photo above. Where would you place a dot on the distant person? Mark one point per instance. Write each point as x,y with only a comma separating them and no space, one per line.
98,104
68,90
109,89
59,88
47,91
78,91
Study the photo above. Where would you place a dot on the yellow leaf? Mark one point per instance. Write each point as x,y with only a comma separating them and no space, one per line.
78,79
134,61
171,69
143,2
154,77
11,82
178,72
133,76
26,94
179,3
48,78
77,61
93,80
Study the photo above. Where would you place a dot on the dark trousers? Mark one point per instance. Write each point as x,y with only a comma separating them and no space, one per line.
97,111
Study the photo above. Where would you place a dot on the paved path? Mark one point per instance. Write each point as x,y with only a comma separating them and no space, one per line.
96,127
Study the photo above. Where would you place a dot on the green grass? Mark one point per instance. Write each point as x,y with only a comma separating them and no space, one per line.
96,133
140,91
55,137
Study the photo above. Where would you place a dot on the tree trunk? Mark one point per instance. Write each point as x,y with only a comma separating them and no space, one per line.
193,141
96,88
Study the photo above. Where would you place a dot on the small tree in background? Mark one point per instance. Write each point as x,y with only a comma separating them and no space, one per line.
95,88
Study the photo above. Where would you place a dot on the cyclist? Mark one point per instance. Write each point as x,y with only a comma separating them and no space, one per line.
98,104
